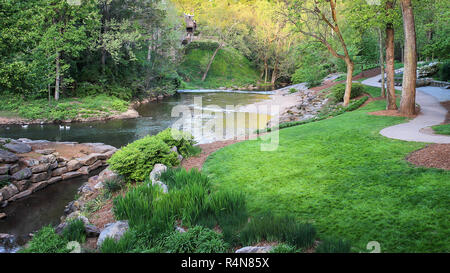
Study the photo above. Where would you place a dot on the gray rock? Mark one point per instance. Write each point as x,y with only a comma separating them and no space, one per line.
97,164
59,171
84,170
7,157
38,177
22,184
84,189
254,249
5,177
20,195
47,159
4,169
54,180
158,169
31,162
73,165
15,168
9,191
90,159
70,175
22,174
18,147
107,174
113,230
162,185
92,231
40,168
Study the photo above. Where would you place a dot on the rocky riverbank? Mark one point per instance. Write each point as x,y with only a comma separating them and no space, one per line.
28,166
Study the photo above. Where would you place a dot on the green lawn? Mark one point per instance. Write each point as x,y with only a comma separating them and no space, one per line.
442,129
348,180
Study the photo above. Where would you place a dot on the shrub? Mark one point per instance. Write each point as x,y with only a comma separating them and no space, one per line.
182,140
338,91
136,160
444,71
292,90
47,241
283,248
311,74
113,185
203,45
75,231
333,246
195,240
275,228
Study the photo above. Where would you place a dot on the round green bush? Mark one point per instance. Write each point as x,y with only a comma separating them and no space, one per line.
136,160
182,140
338,91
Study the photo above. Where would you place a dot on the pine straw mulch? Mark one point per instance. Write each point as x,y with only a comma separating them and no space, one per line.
394,113
207,149
432,156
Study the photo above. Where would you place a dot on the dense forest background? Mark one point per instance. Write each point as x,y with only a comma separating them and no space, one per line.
126,49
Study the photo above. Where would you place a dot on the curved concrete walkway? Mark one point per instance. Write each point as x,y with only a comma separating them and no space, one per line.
432,113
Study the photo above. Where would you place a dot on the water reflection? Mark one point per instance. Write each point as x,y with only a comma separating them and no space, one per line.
155,117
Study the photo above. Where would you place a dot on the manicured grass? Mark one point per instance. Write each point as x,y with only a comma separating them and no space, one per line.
344,177
442,129
65,108
230,68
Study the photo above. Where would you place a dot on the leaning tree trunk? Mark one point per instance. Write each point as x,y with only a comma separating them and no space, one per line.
390,68
408,101
210,62
58,75
348,85
383,77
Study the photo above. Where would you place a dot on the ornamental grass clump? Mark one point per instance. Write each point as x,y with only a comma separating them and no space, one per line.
278,228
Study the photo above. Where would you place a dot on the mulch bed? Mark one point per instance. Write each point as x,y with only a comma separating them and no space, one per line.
432,156
207,149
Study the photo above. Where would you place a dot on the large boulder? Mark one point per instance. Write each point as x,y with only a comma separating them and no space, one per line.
73,165
158,169
18,147
7,157
107,174
113,230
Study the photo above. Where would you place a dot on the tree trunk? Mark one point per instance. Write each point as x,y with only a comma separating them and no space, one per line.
408,101
58,75
210,62
383,84
390,69
266,69
348,86
274,75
